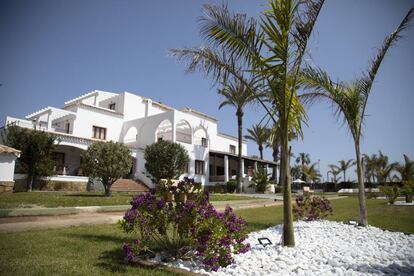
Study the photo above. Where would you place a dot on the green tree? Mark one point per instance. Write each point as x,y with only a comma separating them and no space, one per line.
36,152
335,171
166,160
370,168
406,170
237,95
272,50
350,99
311,173
344,165
108,161
384,168
258,134
274,143
303,159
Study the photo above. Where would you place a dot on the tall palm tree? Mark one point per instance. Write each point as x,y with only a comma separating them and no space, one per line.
235,94
351,98
273,49
303,159
258,134
344,165
335,171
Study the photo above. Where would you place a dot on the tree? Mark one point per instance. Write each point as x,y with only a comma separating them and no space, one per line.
311,173
258,134
36,152
344,165
335,171
383,168
274,143
303,159
237,95
108,161
272,50
406,170
371,168
166,160
350,100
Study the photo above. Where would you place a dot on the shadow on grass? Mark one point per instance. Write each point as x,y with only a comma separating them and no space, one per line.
99,238
87,195
113,261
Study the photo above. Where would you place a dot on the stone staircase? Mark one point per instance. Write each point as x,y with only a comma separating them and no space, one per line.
129,185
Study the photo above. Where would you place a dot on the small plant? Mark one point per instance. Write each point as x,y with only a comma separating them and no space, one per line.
312,207
193,229
231,186
391,193
260,181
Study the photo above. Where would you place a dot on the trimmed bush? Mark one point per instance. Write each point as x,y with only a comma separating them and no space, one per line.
391,193
231,186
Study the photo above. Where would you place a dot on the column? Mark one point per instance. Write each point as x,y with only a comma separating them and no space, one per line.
49,121
226,168
255,166
242,168
267,170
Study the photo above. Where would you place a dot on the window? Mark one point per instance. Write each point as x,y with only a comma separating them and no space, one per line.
204,142
68,128
112,106
99,133
199,167
232,149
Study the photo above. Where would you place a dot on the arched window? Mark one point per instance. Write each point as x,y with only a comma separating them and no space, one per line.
200,137
183,132
131,135
164,131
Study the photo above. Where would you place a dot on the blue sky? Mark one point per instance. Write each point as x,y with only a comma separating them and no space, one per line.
52,51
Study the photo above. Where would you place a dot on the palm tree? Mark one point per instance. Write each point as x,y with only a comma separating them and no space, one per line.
258,134
303,159
370,168
274,143
272,50
345,165
235,94
351,98
383,168
406,170
311,173
335,171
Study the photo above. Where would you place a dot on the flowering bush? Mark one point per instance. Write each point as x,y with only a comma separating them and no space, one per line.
311,208
193,229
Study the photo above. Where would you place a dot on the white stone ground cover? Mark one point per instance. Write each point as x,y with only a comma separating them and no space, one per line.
323,248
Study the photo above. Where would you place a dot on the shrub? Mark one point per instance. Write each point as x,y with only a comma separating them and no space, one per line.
260,181
231,186
391,193
165,160
312,207
193,229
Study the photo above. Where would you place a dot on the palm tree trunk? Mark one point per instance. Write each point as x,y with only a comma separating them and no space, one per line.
240,160
288,234
361,186
275,155
261,151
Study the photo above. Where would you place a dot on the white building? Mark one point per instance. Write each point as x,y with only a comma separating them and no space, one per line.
138,122
8,157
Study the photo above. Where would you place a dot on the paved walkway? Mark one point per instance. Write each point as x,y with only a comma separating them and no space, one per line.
89,217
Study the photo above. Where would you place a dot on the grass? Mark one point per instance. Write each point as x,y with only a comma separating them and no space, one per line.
96,250
67,199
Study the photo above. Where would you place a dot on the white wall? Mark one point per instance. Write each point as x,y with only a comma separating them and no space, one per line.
87,117
7,162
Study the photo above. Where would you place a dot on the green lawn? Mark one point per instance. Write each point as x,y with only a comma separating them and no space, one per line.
66,199
96,250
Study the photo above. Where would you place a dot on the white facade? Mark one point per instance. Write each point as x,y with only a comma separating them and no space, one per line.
137,122
8,157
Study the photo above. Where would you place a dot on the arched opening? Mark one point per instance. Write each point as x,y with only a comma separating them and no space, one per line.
200,137
164,131
131,135
183,132
67,160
